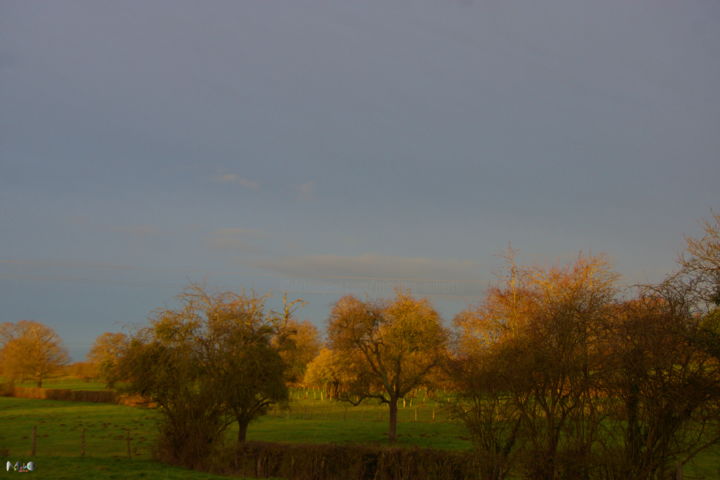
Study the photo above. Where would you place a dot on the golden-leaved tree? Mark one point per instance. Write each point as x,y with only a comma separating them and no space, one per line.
528,367
31,351
387,348
105,353
560,376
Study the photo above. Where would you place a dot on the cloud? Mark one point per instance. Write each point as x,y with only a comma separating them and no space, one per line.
306,190
238,180
382,273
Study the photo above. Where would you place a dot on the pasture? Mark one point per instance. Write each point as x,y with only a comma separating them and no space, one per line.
96,440
74,440
60,447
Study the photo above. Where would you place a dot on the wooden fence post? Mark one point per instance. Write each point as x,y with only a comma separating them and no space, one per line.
127,441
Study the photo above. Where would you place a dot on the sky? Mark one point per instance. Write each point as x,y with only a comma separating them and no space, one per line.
329,147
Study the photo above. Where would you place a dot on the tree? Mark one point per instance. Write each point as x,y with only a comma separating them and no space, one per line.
31,350
487,409
298,342
83,370
165,364
329,372
206,364
105,353
695,286
299,347
528,365
666,386
702,261
664,365
248,370
558,374
387,347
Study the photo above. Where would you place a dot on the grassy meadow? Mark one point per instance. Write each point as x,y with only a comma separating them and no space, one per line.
107,427
59,444
110,429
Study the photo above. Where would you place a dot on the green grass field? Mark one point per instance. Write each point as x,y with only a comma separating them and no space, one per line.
106,427
59,440
309,419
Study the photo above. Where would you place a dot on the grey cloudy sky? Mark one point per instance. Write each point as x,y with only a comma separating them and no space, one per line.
326,147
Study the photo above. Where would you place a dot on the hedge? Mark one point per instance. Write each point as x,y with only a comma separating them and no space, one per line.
95,396
346,462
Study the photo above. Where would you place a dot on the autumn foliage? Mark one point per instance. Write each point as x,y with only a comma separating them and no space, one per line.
30,351
385,349
560,376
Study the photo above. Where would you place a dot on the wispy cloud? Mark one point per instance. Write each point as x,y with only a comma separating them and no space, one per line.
237,179
381,272
373,266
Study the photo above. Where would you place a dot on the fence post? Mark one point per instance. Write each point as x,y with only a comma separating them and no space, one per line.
34,441
127,441
82,442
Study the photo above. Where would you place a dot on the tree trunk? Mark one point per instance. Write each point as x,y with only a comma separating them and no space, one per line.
39,383
634,440
392,433
242,430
